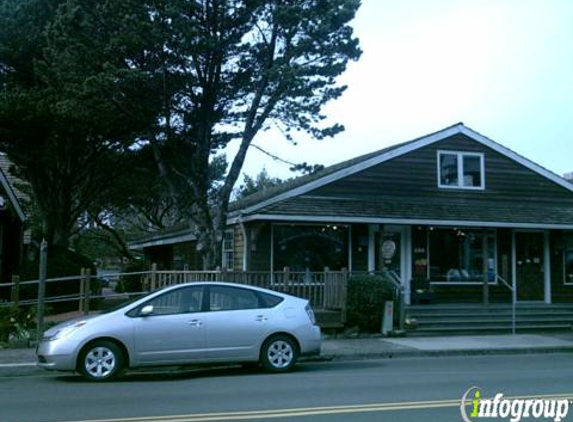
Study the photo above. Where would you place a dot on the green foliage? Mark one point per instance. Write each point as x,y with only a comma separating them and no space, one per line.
131,283
260,183
86,83
365,303
17,323
250,65
71,103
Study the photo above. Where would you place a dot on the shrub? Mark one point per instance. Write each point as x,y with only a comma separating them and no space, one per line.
131,283
17,323
365,303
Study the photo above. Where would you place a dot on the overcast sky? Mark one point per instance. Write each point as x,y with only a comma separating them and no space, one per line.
502,67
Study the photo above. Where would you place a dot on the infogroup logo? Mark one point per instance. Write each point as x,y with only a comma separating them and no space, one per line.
475,407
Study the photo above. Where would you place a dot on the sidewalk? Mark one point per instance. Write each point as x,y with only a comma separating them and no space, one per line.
446,346
22,361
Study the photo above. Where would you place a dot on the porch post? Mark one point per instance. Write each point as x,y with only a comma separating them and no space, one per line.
547,266
514,264
485,268
372,247
350,248
246,246
407,263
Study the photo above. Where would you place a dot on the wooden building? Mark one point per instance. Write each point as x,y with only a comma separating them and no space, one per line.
453,214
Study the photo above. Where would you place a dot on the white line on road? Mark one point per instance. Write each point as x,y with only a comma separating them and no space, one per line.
14,365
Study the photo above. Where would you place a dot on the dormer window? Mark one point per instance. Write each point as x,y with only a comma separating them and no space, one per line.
461,170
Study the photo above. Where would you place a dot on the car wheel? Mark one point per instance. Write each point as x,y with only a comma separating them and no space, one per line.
279,354
101,361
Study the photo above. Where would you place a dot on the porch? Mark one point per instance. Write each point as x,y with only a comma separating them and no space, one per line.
325,290
435,263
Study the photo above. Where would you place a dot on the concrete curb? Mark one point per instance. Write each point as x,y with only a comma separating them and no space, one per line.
28,367
441,353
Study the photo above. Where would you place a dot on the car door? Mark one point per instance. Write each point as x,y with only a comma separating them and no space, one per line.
173,331
235,326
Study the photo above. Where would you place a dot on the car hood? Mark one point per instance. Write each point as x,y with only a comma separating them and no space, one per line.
58,327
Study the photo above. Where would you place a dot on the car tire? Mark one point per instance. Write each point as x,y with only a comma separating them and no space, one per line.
279,354
101,361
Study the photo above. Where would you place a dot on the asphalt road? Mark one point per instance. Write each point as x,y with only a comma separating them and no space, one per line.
407,389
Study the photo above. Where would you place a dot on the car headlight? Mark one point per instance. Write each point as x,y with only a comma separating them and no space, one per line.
65,331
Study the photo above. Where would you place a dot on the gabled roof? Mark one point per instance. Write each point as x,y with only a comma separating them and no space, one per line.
271,199
9,183
176,234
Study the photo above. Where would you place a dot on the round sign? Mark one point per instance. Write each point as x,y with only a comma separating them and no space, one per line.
388,249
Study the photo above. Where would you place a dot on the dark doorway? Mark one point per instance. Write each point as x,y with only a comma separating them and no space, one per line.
529,259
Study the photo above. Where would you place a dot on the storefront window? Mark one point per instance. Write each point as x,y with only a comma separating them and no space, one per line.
456,255
568,258
310,248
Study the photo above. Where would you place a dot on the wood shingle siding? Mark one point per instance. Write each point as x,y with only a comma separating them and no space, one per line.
414,175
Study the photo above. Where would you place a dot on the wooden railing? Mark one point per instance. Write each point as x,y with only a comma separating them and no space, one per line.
325,289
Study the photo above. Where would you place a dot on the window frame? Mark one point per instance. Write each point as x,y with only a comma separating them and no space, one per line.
228,253
495,282
460,169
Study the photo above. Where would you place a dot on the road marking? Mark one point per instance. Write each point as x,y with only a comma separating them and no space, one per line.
310,411
14,365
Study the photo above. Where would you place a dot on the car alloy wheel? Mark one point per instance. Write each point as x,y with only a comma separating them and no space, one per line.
279,354
101,361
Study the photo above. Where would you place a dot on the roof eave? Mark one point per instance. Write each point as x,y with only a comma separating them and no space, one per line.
400,221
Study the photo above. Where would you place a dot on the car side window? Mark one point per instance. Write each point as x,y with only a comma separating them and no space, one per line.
268,300
179,301
224,298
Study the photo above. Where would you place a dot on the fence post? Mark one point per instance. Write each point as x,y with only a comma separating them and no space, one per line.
286,281
87,291
327,300
82,289
42,288
343,293
15,294
153,276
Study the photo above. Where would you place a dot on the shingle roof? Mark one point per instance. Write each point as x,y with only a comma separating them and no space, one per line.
176,234
405,209
258,197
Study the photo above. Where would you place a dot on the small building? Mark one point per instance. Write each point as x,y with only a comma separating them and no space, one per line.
452,213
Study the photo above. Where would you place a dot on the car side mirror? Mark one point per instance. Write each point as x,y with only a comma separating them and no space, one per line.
146,310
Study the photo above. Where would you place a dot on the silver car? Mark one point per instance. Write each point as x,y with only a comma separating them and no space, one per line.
186,324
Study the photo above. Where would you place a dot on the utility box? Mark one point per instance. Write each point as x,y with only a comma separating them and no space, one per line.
388,317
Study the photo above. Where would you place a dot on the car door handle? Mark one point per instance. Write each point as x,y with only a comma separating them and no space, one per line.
195,323
261,318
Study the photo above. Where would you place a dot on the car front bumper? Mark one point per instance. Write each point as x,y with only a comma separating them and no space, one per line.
55,355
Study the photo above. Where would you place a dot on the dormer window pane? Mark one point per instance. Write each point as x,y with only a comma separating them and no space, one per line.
449,169
472,171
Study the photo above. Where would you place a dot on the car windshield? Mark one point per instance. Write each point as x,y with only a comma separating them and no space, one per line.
132,298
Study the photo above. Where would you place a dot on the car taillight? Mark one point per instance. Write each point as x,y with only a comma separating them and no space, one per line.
310,313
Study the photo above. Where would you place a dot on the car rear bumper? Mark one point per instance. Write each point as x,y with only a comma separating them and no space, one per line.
312,342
